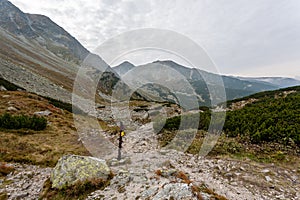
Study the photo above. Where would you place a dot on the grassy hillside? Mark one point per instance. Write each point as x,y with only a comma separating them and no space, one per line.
42,147
265,125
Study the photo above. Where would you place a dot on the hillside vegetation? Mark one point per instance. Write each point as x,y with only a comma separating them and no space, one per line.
274,117
25,138
270,122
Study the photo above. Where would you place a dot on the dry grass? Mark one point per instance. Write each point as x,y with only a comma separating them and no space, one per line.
79,190
158,172
184,177
38,147
197,190
212,193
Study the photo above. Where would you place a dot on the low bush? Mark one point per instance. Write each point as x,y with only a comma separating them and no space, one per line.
65,106
9,121
8,85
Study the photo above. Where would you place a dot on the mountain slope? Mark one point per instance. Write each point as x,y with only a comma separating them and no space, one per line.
39,55
41,30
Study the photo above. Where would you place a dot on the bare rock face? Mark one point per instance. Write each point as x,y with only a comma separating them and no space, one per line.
72,168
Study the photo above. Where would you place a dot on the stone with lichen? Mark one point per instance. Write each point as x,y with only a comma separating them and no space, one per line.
72,168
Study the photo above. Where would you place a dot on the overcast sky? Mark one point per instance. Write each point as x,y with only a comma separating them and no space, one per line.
243,37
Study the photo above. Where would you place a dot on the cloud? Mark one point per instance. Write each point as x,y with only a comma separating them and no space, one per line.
238,35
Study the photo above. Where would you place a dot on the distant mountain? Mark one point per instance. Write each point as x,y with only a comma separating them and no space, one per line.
123,68
42,57
281,82
199,79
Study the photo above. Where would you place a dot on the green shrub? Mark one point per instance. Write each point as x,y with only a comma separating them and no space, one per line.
268,120
36,123
65,106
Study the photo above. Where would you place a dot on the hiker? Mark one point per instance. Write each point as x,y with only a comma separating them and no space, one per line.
121,135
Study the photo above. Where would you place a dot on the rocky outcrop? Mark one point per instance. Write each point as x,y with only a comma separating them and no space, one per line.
72,168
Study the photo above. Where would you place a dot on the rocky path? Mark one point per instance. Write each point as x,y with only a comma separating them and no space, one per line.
230,178
136,175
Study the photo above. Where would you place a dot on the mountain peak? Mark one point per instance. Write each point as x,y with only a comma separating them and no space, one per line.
124,67
42,30
126,63
166,62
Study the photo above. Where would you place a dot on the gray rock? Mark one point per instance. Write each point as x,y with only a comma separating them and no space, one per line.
11,108
265,171
72,168
43,113
22,195
175,190
149,193
116,162
268,178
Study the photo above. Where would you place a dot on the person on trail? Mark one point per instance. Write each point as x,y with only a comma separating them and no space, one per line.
121,135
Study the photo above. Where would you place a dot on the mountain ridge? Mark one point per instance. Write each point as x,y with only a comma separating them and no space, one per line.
42,30
200,80
282,82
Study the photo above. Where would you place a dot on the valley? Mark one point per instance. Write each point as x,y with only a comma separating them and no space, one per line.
63,109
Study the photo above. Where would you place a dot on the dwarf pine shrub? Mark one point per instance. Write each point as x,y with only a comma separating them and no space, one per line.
9,121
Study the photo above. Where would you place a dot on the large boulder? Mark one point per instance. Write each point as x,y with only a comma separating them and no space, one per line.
71,169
